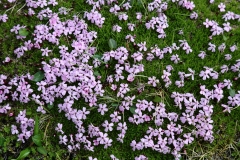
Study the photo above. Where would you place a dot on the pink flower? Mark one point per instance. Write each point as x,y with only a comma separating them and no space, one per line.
127,5
107,126
211,1
211,47
207,23
59,128
63,139
113,157
137,56
179,83
228,56
102,108
202,54
228,16
115,117
153,81
40,109
142,46
102,138
108,143
122,127
123,16
141,157
113,87
114,9
227,27
175,58
79,45
139,15
131,26
192,72
131,77
14,129
233,48
133,145
189,5
3,18
221,6
116,28
226,108
11,1
45,51
90,158
224,68
52,2
193,15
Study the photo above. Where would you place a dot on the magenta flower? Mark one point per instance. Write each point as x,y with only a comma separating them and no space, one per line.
222,7
3,18
115,117
139,15
102,108
107,126
63,139
116,28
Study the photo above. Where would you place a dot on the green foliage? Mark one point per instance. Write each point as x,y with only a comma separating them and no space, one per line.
232,92
36,125
112,43
45,140
37,139
23,32
42,150
132,109
96,73
157,99
24,153
38,76
2,140
50,106
97,56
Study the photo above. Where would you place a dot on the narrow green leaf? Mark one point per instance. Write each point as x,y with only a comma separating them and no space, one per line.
37,139
42,150
112,44
132,110
2,140
132,2
24,153
157,99
139,3
38,76
23,32
36,125
232,92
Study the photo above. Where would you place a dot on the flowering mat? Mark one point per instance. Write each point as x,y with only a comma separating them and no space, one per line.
109,79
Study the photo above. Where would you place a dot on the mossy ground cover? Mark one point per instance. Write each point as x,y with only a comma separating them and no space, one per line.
226,125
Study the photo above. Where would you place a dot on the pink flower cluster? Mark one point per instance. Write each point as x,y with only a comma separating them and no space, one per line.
3,18
4,109
26,127
187,4
95,17
71,77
